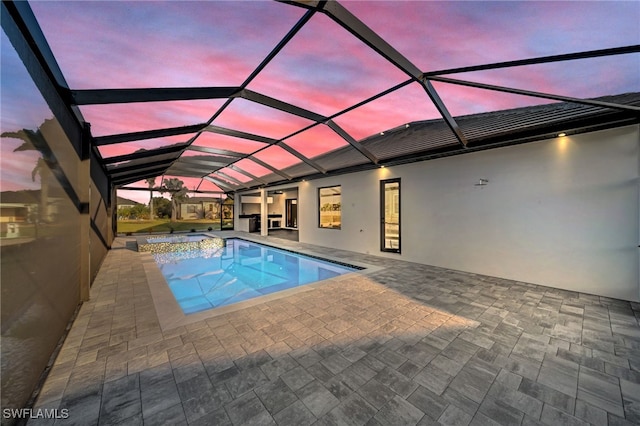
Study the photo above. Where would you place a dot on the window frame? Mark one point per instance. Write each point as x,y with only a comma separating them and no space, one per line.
339,210
395,203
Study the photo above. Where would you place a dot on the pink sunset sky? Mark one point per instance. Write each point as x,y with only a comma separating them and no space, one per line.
324,69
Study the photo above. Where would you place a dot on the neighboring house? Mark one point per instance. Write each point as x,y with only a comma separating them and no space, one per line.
23,208
126,203
200,208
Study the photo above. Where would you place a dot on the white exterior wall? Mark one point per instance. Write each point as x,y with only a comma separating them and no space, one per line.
562,213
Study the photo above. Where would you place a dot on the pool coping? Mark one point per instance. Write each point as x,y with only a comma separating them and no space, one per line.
170,314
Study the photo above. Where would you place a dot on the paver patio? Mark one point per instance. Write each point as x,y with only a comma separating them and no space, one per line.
406,344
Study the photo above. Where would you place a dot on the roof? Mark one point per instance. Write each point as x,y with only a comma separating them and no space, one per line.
325,87
424,140
28,196
126,202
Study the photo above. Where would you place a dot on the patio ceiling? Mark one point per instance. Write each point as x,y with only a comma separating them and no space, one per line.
236,95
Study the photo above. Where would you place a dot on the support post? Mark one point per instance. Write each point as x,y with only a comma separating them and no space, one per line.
84,194
264,213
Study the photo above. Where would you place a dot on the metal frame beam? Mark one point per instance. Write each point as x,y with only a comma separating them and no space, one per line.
197,191
144,154
230,179
220,183
187,161
365,34
448,118
346,136
147,134
208,150
134,177
537,94
268,141
193,173
261,99
303,158
268,166
123,96
292,32
360,30
116,170
539,60
250,95
249,175
238,134
24,33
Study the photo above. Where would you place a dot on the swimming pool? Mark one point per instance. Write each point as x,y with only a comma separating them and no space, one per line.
238,271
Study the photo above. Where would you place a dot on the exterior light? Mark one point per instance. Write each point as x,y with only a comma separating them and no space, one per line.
563,134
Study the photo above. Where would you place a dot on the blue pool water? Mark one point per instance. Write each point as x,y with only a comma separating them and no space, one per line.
239,271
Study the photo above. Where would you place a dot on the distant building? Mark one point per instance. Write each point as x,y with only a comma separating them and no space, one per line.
126,203
200,208
20,209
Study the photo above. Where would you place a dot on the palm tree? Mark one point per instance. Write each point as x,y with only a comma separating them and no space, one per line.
178,194
32,140
151,182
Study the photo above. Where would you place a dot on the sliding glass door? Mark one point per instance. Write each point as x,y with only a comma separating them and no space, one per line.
390,215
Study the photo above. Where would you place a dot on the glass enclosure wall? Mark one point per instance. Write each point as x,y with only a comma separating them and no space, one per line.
101,232
45,230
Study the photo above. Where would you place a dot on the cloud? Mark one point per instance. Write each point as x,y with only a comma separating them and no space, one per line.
277,157
453,34
252,167
324,68
21,103
214,140
260,120
135,117
411,103
130,147
160,44
316,141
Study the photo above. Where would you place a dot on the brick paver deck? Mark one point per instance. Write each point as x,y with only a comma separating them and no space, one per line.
407,344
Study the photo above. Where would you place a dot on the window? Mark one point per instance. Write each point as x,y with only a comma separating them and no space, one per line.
329,202
390,215
191,208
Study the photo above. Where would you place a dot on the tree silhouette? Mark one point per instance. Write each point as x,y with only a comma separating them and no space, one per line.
178,192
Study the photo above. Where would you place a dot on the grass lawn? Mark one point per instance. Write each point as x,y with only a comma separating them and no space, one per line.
165,225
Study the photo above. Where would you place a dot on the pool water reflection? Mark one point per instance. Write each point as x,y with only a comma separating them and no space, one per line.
239,271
